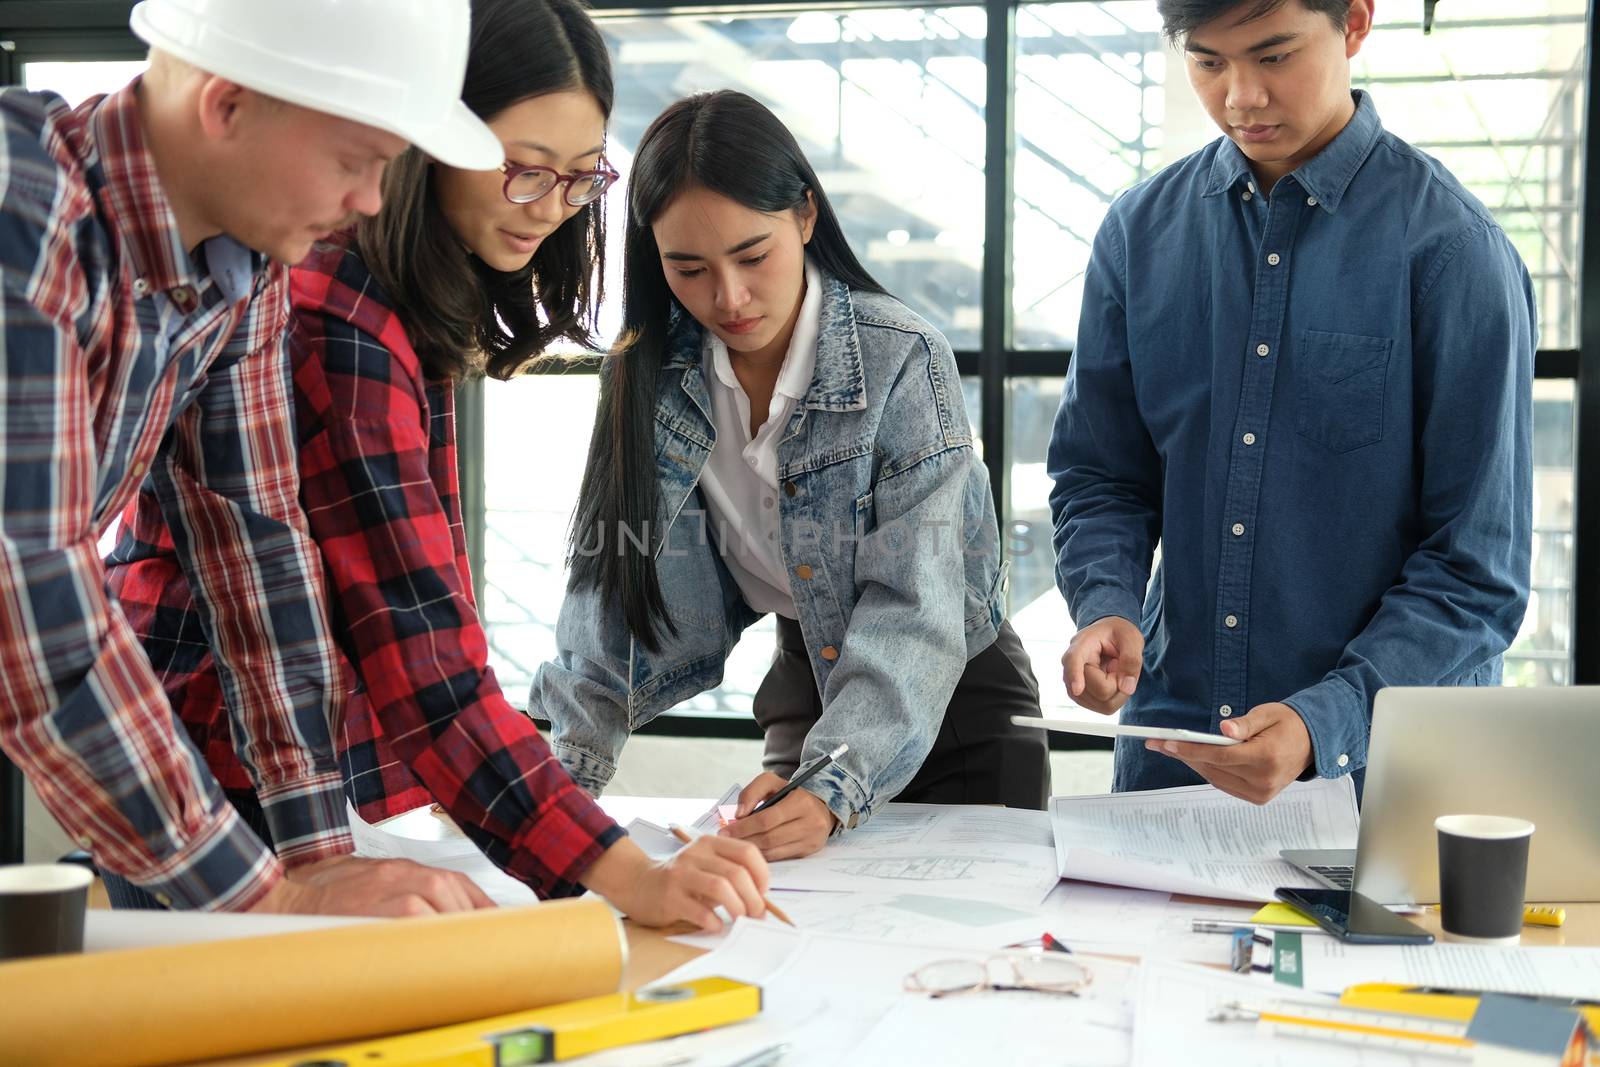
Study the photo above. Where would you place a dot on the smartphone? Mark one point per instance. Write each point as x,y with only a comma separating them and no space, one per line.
1351,917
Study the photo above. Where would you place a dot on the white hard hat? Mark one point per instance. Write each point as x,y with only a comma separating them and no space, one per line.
394,64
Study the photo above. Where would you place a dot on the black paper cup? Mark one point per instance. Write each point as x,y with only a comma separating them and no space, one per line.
1483,872
41,908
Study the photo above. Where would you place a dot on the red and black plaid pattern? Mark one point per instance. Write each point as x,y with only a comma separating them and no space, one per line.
379,486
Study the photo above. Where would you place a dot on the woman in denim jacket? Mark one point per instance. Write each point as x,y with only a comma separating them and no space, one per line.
777,434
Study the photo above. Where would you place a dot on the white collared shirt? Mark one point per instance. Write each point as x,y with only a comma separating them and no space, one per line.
740,481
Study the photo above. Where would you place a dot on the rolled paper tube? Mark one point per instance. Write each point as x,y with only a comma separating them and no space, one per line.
180,1003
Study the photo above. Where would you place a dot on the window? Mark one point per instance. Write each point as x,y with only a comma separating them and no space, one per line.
77,80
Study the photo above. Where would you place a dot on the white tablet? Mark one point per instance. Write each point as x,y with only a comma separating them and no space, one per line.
1116,729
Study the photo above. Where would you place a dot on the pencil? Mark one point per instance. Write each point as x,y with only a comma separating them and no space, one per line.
683,835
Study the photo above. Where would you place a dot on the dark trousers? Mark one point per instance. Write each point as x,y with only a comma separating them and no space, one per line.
124,894
980,755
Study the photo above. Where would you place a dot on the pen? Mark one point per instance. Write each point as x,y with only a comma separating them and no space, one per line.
1216,926
800,779
683,835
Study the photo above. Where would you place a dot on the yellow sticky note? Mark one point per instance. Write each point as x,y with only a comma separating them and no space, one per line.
1279,915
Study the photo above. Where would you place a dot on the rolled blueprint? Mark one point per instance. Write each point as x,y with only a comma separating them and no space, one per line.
180,1003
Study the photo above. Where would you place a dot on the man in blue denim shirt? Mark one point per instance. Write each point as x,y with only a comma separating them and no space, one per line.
1304,367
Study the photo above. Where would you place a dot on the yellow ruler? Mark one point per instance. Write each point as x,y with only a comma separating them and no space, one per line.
561,1032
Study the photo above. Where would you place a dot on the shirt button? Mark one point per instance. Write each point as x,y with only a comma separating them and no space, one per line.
1263,350
1251,186
1344,760
772,535
1247,194
141,287
1249,439
1274,259
85,843
767,502
1311,201
1225,710
1238,529
183,296
803,572
164,900
1231,621
790,489
830,653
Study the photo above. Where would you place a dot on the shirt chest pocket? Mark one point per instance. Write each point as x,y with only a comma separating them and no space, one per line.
1341,389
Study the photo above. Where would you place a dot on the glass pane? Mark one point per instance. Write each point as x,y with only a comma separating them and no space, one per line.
888,106
1038,612
1541,654
536,429
77,80
1092,118
1495,92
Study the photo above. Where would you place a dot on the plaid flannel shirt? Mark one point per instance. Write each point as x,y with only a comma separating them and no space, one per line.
127,359
379,483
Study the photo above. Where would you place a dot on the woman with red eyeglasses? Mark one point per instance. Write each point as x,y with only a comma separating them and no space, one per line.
461,272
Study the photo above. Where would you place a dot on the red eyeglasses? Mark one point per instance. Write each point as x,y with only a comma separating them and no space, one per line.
526,183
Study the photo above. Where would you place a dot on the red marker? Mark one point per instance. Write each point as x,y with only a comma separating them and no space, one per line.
1052,945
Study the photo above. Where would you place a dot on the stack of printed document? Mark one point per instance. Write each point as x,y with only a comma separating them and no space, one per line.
1200,840
999,855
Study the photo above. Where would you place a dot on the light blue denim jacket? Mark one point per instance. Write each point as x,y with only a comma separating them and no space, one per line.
881,496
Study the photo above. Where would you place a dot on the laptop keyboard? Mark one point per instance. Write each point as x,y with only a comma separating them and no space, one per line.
1339,874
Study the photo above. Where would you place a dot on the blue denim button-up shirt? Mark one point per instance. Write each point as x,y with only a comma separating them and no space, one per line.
887,522
1319,403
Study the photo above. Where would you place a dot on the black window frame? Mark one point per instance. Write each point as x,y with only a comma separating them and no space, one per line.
34,30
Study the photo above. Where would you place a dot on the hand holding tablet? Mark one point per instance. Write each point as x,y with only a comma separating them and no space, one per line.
1116,729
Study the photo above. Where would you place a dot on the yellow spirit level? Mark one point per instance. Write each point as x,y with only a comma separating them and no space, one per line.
560,1032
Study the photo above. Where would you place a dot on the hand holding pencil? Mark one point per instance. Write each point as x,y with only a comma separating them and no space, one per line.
778,913
708,874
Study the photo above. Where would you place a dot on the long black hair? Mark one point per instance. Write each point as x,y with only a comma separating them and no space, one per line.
732,145
457,310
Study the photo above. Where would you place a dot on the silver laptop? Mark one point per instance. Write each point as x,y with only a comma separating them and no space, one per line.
1530,753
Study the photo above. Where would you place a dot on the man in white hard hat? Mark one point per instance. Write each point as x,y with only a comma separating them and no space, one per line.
143,238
